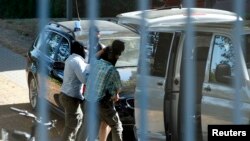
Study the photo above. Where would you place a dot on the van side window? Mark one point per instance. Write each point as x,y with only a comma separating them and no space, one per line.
222,62
158,48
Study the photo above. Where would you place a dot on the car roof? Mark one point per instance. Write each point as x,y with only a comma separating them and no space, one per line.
223,27
107,29
177,16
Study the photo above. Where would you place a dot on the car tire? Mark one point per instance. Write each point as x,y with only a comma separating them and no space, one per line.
33,93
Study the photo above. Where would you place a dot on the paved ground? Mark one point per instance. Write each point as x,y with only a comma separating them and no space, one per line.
14,92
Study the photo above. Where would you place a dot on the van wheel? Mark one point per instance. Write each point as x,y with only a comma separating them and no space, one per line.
33,93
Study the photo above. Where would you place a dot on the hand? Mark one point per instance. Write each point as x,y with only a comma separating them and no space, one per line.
100,52
115,98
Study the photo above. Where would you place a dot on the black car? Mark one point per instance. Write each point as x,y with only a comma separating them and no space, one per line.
52,47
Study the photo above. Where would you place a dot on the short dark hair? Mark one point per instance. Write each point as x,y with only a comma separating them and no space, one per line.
118,47
77,48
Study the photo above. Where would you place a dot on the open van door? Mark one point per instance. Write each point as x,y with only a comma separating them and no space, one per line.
175,89
170,94
158,48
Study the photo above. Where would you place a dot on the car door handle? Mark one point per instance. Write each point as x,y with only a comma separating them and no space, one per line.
176,81
208,88
160,83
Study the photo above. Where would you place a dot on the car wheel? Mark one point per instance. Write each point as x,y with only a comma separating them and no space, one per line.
33,93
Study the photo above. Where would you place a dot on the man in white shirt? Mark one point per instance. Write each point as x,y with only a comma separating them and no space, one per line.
75,73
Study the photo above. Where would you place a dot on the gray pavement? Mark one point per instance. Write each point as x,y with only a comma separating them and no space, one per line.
13,84
12,66
14,93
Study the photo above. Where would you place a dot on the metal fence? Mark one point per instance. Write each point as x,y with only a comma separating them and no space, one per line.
92,13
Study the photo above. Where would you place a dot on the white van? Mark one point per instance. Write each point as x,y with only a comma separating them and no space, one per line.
213,56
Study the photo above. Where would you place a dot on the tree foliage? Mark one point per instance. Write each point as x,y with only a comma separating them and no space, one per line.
17,8
57,8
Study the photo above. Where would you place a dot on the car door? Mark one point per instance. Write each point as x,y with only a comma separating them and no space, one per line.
177,91
48,54
44,55
55,75
218,93
158,47
170,94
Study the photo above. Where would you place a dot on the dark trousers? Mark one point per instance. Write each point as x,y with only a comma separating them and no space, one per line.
73,117
105,112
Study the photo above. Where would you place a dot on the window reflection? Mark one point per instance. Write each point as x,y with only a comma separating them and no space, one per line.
222,63
52,43
157,52
41,37
130,55
63,51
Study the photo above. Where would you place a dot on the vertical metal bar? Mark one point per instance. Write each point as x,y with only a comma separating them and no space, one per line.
43,108
69,9
143,96
188,91
92,12
237,32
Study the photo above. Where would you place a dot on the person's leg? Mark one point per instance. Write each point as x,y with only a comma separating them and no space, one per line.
82,134
104,131
116,128
73,117
111,117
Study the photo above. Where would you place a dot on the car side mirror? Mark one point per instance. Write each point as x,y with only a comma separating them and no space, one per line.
58,65
223,74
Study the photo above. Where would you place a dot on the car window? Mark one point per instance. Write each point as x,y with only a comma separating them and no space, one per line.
131,53
52,43
39,40
157,52
63,50
222,63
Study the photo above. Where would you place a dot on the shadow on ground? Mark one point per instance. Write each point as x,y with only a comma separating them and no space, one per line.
11,120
